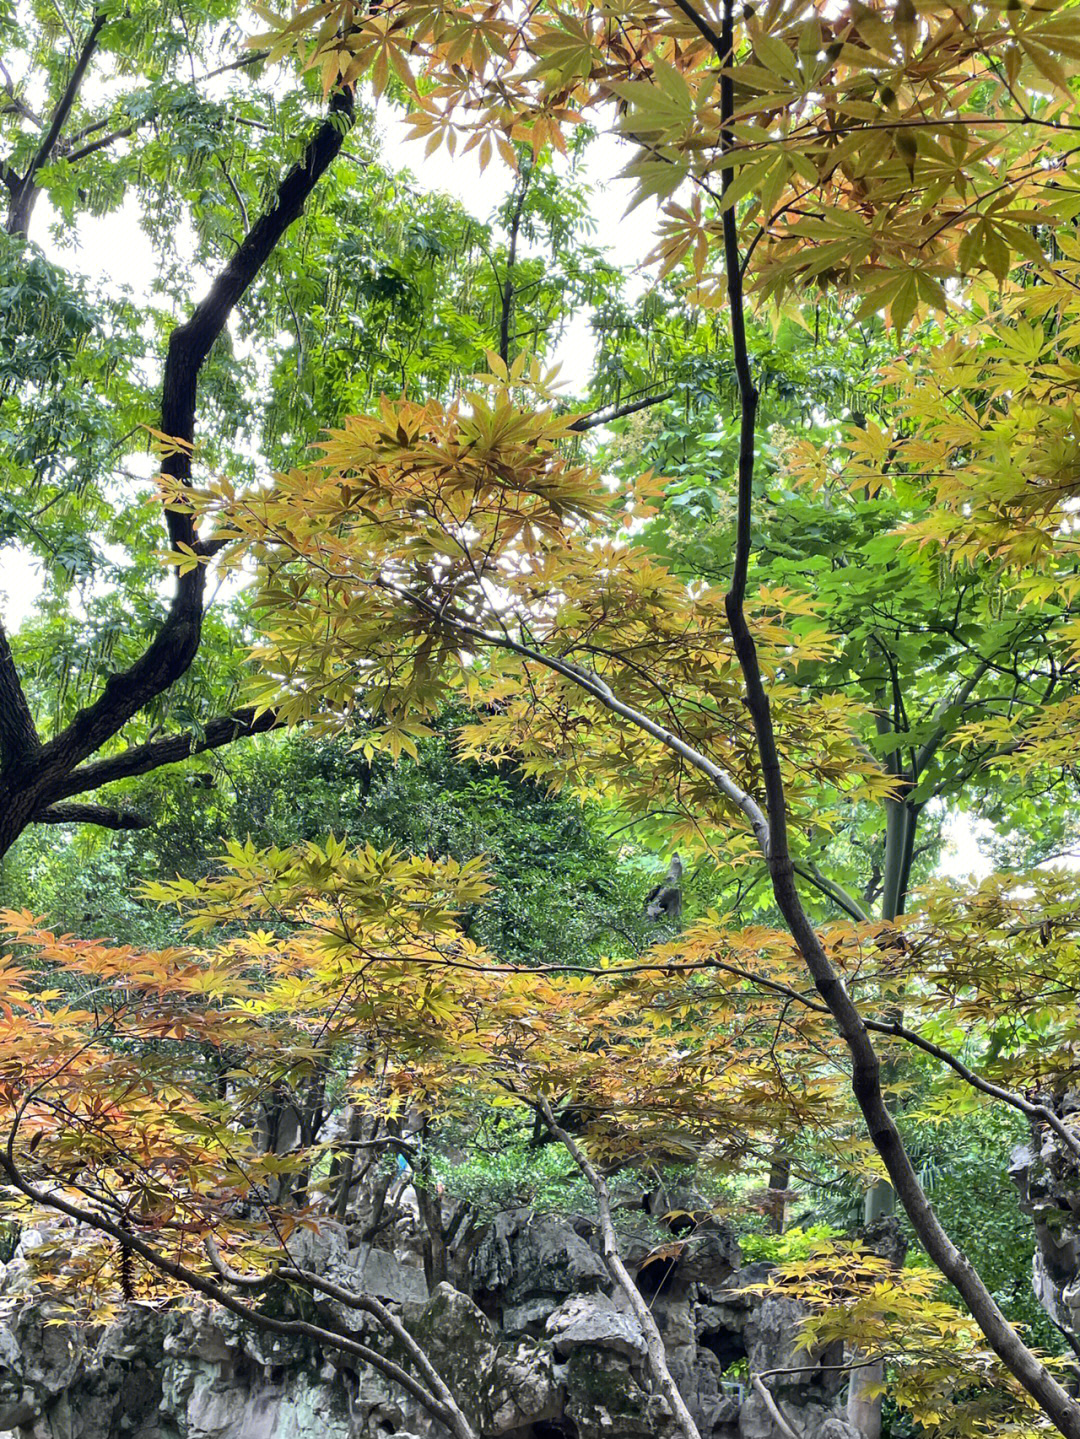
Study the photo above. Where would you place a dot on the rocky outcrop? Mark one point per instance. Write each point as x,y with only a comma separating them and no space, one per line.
541,1348
1048,1178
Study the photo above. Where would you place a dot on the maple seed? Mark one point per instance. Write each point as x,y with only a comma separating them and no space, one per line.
888,95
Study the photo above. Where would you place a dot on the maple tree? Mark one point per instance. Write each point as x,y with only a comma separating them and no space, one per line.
141,1087
887,155
910,161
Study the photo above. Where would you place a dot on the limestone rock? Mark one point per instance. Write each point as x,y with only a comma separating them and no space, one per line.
606,1400
541,1345
1048,1178
499,1386
592,1320
527,1264
811,1421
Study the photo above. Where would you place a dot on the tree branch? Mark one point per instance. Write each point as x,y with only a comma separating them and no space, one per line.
607,413
22,200
1038,1113
208,1288
142,759
771,1405
962,694
19,107
836,892
593,685
440,1401
507,296
18,733
103,141
91,814
609,1250
24,789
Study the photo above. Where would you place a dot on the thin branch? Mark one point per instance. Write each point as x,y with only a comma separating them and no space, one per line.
102,143
958,697
836,892
443,1402
171,652
22,201
17,106
212,1290
609,1250
606,414
72,154
774,1409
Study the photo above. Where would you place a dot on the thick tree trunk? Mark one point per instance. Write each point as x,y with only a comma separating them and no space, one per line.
35,775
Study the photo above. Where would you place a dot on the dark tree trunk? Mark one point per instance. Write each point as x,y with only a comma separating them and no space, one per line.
34,776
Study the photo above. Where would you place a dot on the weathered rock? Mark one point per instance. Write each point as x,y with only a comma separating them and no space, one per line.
1048,1178
710,1257
377,1272
812,1421
527,1264
499,1386
363,1269
540,1349
771,1334
606,1400
592,1320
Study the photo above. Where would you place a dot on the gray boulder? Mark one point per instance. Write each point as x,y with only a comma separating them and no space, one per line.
541,1346
527,1264
1048,1178
592,1320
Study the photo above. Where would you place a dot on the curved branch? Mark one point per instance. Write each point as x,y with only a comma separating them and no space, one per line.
26,789
836,892
609,1250
771,1405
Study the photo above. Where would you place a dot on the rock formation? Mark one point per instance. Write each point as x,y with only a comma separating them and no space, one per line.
539,1348
1048,1177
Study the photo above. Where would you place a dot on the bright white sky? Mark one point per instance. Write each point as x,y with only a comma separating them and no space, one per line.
114,248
